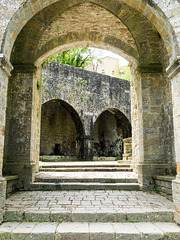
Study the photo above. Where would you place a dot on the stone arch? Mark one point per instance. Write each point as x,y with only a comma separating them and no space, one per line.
62,131
109,130
156,34
151,10
150,85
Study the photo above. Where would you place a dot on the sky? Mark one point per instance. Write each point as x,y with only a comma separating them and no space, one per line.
104,53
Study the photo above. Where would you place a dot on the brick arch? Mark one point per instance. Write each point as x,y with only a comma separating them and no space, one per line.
145,12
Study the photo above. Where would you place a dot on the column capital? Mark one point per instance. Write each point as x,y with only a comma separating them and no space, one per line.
5,64
174,68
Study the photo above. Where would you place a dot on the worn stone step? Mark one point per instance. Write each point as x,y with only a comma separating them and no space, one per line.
66,165
46,186
54,158
87,177
86,180
86,169
89,231
83,164
87,215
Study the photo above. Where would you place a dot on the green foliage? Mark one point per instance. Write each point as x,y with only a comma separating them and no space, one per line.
76,57
39,85
125,73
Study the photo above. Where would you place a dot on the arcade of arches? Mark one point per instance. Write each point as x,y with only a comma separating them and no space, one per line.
81,119
145,32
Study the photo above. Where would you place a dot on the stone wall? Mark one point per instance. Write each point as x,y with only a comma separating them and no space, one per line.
90,94
12,185
163,186
87,92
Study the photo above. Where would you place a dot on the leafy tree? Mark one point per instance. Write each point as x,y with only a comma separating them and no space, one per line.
124,72
76,57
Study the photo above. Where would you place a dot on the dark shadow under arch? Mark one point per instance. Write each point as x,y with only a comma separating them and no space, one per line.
110,128
62,131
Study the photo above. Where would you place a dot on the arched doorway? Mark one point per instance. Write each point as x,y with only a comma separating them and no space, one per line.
138,32
110,128
61,130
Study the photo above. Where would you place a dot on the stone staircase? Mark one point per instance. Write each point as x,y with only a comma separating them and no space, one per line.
88,215
85,176
89,204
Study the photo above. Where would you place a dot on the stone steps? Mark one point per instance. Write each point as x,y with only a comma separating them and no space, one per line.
91,215
86,169
86,177
89,231
79,215
87,180
84,164
53,181
48,186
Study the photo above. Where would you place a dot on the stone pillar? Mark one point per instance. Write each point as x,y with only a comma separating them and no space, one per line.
88,155
174,75
22,124
5,69
148,128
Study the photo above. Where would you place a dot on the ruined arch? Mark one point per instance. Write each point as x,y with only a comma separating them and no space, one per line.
109,130
62,131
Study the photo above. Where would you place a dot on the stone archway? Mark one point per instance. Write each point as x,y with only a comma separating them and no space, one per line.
110,128
154,46
150,88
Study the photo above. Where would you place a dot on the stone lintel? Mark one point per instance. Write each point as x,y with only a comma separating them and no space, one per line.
151,68
5,64
25,68
174,68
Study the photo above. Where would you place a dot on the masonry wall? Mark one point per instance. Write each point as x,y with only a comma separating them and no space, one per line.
87,92
90,94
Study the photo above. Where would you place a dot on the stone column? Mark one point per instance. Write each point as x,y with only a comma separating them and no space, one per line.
174,75
22,124
5,69
87,119
148,126
88,155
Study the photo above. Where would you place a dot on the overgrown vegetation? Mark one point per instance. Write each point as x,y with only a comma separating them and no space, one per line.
77,57
124,72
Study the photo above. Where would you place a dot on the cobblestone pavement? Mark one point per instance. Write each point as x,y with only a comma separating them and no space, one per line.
89,201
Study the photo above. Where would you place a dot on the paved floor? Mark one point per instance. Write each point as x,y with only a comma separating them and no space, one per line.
113,201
